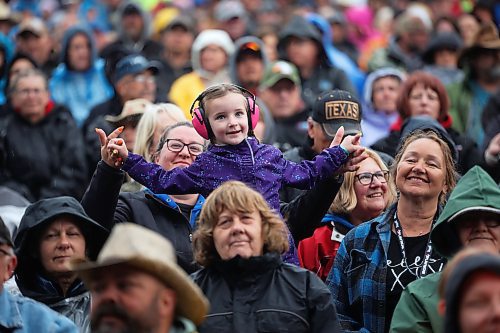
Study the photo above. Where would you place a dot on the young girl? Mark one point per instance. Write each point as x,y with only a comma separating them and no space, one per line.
234,155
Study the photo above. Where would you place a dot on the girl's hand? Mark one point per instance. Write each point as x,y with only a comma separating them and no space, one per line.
111,155
351,144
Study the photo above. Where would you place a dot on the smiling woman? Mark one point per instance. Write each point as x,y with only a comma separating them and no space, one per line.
51,233
364,195
394,249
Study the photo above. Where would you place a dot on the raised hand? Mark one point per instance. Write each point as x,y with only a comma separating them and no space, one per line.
352,144
110,153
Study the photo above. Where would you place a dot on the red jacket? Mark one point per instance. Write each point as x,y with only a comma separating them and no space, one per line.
317,252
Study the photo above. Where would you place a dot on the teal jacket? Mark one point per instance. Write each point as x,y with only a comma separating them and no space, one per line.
416,311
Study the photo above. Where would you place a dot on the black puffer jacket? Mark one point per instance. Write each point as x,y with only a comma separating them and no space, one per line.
104,203
263,294
45,159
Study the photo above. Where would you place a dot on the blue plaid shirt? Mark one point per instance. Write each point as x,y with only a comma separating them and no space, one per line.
357,278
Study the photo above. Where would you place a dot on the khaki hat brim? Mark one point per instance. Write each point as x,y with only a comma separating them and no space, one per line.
122,119
191,303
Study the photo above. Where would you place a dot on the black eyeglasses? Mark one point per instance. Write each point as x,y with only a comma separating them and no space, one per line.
176,146
366,178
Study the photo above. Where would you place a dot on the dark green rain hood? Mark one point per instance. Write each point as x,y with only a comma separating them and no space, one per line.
475,191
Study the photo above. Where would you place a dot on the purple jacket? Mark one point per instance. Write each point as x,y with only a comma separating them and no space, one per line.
258,165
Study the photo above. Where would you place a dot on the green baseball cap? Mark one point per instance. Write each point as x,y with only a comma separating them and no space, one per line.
277,71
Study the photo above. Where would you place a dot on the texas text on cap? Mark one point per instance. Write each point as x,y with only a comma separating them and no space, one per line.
336,108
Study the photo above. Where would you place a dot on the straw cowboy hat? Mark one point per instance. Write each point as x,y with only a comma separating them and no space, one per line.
132,111
486,39
146,250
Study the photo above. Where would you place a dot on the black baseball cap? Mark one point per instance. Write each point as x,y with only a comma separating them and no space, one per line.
336,108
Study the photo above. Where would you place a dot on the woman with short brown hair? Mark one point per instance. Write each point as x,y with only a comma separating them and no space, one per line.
240,240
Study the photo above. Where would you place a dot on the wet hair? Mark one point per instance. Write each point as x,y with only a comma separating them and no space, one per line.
236,197
428,81
451,174
219,91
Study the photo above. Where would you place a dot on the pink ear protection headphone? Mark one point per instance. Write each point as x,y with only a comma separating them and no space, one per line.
200,120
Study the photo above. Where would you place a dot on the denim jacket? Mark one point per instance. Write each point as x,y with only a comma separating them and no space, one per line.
21,314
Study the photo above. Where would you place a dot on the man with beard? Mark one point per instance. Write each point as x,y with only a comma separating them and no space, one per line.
136,285
481,64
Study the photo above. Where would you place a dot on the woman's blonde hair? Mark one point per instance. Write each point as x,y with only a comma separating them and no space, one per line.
146,127
451,174
236,197
345,201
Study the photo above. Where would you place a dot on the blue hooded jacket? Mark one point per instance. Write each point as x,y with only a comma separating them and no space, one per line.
80,91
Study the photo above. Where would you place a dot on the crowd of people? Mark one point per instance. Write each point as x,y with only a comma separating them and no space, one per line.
249,166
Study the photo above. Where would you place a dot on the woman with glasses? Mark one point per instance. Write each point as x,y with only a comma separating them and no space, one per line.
173,216
363,195
378,259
